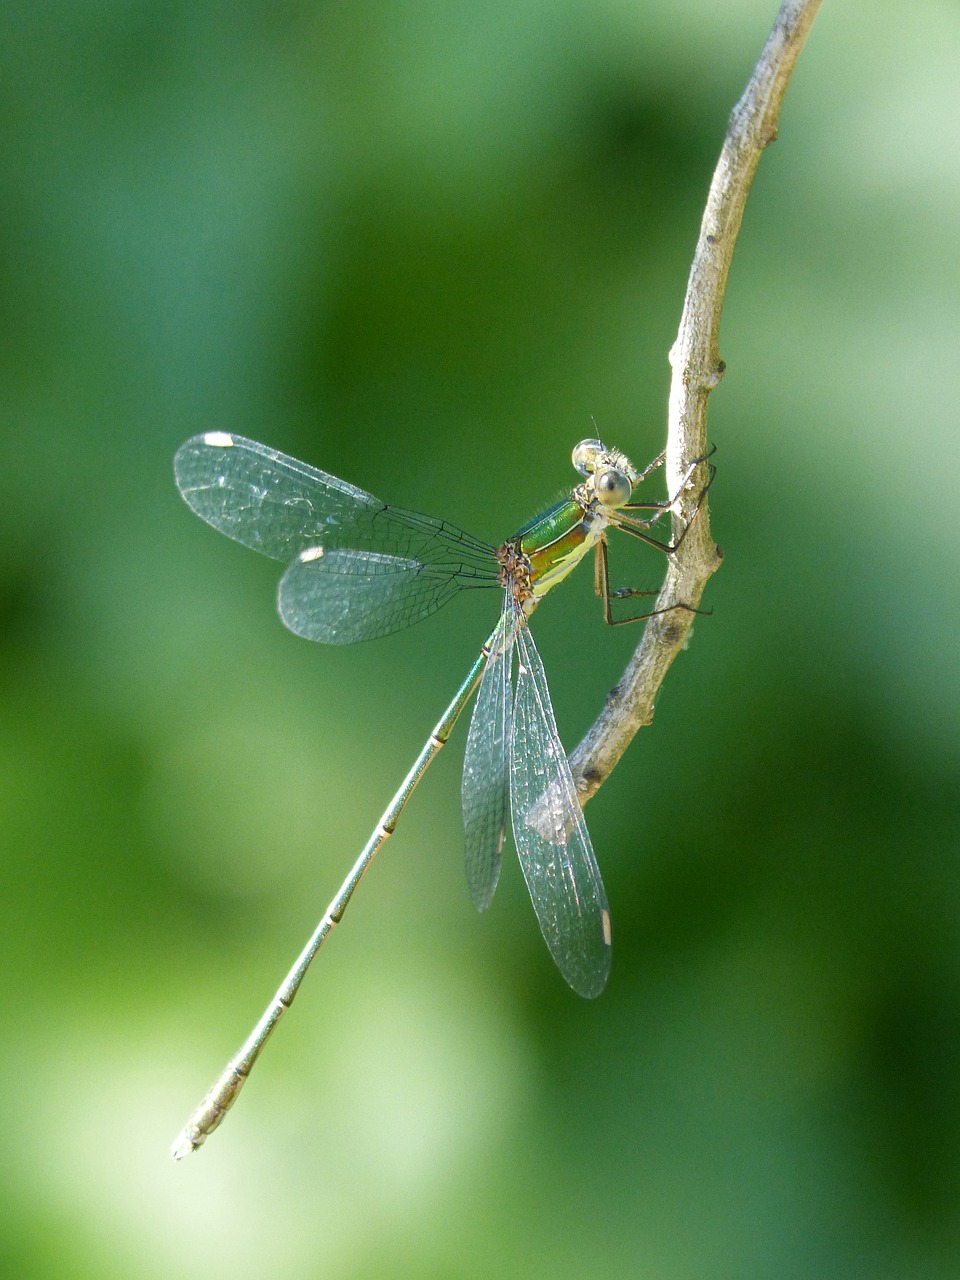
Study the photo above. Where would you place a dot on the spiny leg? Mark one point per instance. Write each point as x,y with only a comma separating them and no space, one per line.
602,582
662,507
652,466
638,529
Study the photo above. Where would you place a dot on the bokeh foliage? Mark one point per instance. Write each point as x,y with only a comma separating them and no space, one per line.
423,245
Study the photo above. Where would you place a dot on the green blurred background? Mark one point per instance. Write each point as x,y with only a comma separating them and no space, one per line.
424,245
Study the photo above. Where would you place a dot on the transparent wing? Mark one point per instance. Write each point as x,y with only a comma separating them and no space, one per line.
342,596
281,507
485,780
551,835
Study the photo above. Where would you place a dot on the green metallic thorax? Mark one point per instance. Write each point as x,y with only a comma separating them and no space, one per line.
556,541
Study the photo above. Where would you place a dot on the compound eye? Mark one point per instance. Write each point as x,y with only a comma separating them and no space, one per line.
585,456
612,488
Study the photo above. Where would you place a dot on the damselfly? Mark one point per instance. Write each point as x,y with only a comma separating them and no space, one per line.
357,569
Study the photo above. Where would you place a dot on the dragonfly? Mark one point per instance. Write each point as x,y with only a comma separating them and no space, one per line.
357,569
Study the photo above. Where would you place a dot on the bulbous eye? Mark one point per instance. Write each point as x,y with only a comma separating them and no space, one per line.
585,456
612,487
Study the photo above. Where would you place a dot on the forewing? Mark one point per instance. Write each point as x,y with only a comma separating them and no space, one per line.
551,835
281,507
485,780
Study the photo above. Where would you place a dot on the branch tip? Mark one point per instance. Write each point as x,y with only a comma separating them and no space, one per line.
697,370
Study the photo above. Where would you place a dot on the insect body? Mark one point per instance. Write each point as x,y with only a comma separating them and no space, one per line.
357,569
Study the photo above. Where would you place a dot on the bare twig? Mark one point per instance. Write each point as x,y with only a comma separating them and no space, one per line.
697,368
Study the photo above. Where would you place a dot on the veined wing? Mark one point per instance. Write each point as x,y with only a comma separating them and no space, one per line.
485,779
282,507
341,596
551,835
